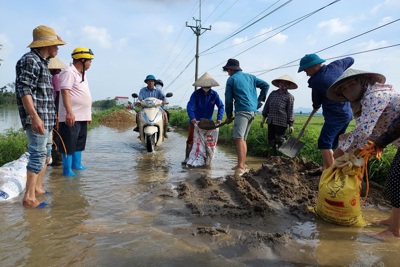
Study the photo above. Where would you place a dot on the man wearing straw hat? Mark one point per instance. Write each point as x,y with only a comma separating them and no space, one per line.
201,106
34,93
278,111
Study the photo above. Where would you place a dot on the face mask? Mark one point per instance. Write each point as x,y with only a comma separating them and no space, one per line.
158,86
206,89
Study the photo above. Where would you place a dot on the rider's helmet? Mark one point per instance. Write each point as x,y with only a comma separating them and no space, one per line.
160,82
82,53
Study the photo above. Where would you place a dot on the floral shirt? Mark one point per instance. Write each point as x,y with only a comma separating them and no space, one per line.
380,105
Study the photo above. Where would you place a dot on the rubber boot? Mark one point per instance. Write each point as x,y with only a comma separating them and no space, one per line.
77,161
187,153
67,165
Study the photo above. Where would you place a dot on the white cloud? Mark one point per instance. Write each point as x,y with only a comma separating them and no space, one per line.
385,20
100,35
166,30
223,27
371,45
239,40
280,38
334,26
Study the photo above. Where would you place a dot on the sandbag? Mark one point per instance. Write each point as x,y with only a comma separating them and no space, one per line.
13,178
339,192
204,147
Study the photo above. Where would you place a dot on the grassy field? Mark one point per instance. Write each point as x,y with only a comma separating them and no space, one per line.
258,145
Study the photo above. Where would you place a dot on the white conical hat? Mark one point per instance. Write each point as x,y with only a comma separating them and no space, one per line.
286,78
55,63
205,81
348,74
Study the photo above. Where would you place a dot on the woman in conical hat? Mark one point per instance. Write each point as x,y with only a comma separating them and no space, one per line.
201,106
375,105
278,112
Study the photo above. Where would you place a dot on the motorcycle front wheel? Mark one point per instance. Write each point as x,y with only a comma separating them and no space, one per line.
150,142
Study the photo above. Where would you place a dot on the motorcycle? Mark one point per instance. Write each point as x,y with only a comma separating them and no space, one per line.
151,123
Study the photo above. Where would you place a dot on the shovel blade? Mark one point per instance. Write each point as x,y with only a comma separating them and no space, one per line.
291,147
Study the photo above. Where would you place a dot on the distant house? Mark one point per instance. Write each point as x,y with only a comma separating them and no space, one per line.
122,100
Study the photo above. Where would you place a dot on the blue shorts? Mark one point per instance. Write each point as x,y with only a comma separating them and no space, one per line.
329,136
39,148
242,123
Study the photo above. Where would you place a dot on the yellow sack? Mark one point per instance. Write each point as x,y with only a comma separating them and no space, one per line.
339,192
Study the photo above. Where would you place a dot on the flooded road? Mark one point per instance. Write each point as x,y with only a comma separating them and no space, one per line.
124,211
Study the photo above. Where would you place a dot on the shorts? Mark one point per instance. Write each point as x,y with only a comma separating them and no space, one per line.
242,123
39,148
73,138
329,136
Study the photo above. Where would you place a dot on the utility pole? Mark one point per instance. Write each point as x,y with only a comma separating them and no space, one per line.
198,30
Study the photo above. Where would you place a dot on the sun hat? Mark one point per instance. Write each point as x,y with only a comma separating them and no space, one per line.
347,75
205,81
150,78
309,60
45,36
285,78
160,82
56,64
232,64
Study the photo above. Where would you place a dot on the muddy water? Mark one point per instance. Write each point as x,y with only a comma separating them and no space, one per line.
124,211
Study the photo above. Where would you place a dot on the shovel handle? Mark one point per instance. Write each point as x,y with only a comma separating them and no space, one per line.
305,125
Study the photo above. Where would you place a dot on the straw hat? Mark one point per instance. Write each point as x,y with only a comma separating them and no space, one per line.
45,36
347,75
285,78
205,81
56,64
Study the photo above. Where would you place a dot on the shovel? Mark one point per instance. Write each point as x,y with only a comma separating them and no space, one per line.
210,125
292,146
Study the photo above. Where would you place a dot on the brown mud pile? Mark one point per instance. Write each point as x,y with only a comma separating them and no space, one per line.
281,185
120,117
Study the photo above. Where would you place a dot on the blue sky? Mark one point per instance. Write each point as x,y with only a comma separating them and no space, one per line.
134,38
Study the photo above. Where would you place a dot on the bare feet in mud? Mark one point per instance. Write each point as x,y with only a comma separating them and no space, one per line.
387,235
30,203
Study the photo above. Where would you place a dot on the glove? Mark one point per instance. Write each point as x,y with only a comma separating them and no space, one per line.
259,104
291,130
262,122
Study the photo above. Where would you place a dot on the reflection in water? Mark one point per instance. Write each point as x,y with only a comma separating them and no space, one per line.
9,119
122,211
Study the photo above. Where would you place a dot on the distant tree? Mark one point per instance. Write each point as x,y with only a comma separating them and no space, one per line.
105,104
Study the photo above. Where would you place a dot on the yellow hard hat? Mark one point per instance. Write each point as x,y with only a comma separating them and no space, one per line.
82,52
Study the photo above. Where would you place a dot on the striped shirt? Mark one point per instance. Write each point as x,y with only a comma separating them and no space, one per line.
34,78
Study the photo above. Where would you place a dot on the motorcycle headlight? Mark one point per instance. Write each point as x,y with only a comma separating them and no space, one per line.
149,103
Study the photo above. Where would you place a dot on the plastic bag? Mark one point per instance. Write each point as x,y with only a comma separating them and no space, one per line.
339,192
204,147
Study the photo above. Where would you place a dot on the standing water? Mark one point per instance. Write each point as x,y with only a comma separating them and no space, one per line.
124,211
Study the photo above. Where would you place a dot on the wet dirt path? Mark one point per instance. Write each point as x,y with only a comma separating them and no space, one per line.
130,209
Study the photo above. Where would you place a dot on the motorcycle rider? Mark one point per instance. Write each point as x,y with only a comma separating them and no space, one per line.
159,85
151,91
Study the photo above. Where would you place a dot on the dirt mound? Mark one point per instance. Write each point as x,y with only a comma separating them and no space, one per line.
282,185
125,117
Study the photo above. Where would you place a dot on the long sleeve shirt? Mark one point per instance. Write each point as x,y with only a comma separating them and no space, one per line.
241,92
333,111
279,109
380,105
34,78
202,104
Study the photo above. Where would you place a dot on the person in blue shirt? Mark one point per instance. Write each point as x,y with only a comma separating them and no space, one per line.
201,105
337,115
151,91
241,93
